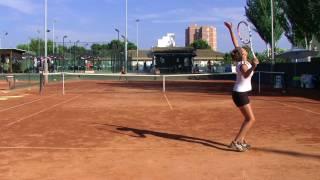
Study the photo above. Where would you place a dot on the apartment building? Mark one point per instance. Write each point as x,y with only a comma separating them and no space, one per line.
206,33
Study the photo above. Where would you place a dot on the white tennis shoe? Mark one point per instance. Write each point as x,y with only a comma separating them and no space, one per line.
237,146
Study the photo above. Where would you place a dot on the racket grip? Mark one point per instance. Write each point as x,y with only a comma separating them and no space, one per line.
252,51
254,54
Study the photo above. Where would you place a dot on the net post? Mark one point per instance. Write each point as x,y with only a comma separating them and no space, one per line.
41,83
163,83
259,75
63,83
29,80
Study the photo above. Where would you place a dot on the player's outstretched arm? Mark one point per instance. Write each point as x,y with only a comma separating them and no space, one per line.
233,38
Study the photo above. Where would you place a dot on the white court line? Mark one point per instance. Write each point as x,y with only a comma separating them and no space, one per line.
299,108
87,148
2,110
168,101
34,114
254,107
57,148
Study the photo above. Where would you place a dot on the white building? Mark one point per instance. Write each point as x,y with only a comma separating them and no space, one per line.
167,41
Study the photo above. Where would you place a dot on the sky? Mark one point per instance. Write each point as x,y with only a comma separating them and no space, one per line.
96,20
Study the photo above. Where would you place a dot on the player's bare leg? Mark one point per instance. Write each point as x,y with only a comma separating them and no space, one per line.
247,124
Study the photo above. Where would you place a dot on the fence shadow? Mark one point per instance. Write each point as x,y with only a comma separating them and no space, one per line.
287,153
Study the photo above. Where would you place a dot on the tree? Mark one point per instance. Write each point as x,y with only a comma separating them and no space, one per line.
78,50
37,46
301,21
227,59
120,45
23,47
131,46
60,49
200,44
95,48
258,13
315,10
116,44
263,56
297,17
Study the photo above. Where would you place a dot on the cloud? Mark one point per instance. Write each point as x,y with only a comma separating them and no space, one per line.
84,36
187,20
233,14
157,16
24,6
73,35
109,1
31,28
192,16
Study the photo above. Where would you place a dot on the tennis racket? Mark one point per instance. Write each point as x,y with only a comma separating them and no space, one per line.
245,35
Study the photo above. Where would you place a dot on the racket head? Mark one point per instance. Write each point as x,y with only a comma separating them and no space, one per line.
244,32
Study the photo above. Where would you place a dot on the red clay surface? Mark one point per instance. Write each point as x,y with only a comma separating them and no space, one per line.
134,131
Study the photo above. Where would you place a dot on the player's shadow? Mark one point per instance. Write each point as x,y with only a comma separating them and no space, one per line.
142,133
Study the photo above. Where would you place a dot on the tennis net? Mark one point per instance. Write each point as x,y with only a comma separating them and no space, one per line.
205,83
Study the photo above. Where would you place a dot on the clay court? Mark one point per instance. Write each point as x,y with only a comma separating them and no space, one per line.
132,130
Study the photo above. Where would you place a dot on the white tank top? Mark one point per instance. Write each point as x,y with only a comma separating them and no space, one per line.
242,84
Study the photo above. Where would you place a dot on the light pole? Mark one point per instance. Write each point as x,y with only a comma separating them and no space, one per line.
38,31
272,35
29,42
74,60
46,41
126,39
137,22
117,30
65,36
70,49
115,62
5,34
29,56
55,45
53,40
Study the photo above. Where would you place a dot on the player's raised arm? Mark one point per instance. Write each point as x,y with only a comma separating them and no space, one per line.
233,38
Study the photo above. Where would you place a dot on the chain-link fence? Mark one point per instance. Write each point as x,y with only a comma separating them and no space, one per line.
88,56
74,57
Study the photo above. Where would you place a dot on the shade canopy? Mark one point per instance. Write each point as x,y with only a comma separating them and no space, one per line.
297,54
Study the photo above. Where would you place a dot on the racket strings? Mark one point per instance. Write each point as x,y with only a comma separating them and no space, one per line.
244,33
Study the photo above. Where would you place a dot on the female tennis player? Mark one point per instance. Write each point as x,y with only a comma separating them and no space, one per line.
241,89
